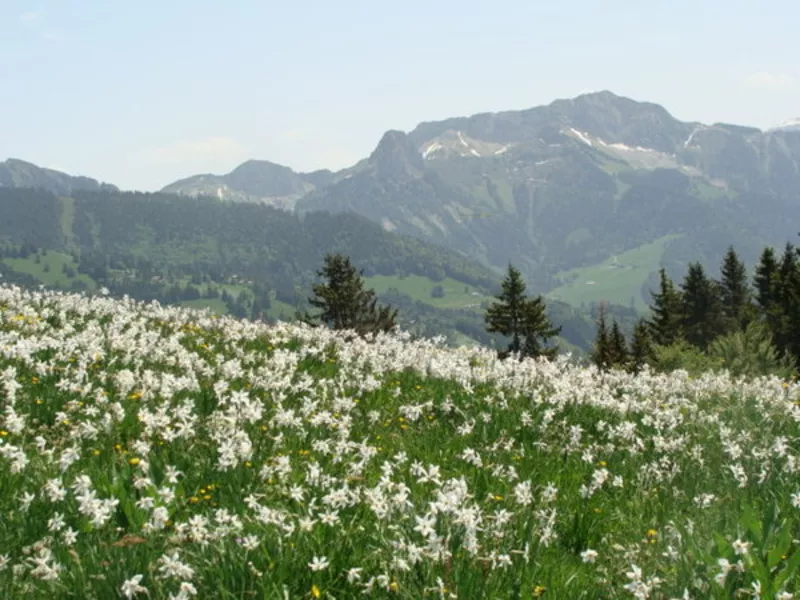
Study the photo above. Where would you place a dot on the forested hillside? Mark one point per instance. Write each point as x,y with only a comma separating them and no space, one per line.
244,259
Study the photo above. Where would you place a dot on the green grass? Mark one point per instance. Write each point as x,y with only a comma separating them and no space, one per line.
613,281
419,288
278,307
256,451
216,305
54,261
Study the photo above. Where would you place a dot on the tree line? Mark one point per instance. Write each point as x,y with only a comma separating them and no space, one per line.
344,304
703,322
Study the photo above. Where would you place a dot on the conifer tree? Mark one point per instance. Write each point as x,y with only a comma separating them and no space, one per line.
344,302
736,294
787,323
538,330
665,325
506,315
701,297
601,350
766,280
641,352
522,319
618,346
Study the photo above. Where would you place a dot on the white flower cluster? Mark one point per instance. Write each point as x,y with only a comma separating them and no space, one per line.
288,459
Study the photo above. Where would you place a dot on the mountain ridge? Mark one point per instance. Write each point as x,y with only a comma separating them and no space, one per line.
571,183
15,172
556,187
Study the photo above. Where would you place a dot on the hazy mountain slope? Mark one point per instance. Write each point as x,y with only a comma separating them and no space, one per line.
552,189
18,173
253,181
576,182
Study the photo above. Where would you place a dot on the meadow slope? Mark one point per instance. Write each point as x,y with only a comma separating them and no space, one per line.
153,452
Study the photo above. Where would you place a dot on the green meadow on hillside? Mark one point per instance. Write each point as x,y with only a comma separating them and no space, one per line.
49,269
157,452
456,294
615,280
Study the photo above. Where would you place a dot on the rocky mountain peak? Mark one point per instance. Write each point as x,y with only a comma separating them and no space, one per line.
255,176
396,156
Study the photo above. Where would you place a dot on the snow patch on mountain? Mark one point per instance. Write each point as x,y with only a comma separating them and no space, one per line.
691,135
426,153
624,148
456,143
581,136
637,157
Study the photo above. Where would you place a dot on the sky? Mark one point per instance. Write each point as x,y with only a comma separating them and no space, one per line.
142,93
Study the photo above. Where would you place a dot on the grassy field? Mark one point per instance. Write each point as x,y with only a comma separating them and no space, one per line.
216,305
219,308
49,269
457,295
615,280
154,453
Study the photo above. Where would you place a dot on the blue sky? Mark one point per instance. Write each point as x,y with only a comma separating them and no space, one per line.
143,93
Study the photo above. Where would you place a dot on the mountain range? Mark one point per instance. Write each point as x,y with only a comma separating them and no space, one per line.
588,196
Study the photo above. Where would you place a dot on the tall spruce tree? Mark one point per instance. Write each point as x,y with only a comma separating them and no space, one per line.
506,316
737,306
787,337
618,346
703,319
522,319
667,309
766,280
538,330
601,350
641,352
344,302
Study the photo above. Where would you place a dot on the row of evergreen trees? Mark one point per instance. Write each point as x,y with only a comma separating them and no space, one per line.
345,304
704,314
725,322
